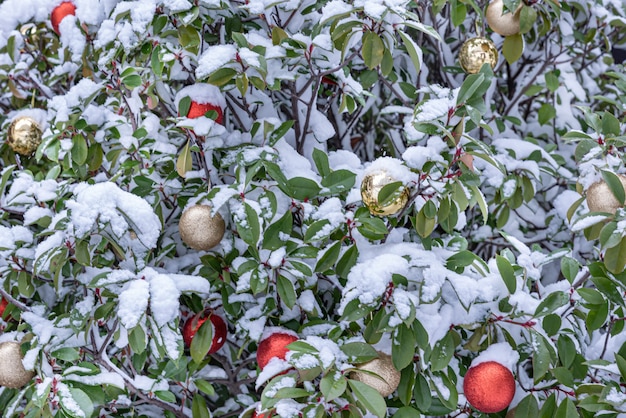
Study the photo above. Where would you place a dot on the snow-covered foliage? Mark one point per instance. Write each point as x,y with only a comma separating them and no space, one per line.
495,257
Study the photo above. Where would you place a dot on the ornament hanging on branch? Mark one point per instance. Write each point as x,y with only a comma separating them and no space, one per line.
489,386
199,229
61,12
600,198
274,345
24,135
196,100
12,371
371,186
477,51
387,379
505,24
194,323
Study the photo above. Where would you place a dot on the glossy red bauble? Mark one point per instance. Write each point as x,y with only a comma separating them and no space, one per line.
489,387
274,345
3,305
60,12
199,109
220,330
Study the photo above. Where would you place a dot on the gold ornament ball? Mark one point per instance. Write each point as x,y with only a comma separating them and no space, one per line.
601,199
199,229
389,378
505,24
372,184
24,135
477,51
12,372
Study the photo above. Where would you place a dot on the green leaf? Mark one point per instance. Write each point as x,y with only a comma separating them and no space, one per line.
482,204
272,236
189,38
390,192
316,230
199,408
527,408
184,161
552,81
422,393
564,376
347,261
204,386
249,229
551,303
566,349
137,339
369,397
302,188
615,258
470,85
373,49
221,77
81,399
286,291
401,352
66,354
621,365
545,113
569,268
610,125
407,412
359,352
527,18
405,387
79,149
513,47
320,158
567,409
201,342
551,324
165,395
329,258
132,81
507,273
442,353
339,181
413,49
280,132
597,316
615,185
541,356
333,388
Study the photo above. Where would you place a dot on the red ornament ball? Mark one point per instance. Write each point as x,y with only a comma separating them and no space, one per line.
274,345
199,109
3,305
220,330
489,387
60,12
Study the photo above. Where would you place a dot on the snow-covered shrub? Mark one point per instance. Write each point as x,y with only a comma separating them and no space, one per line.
495,255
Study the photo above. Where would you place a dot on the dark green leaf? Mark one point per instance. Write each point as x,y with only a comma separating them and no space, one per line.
401,350
567,409
551,303
199,408
320,158
442,353
422,393
272,236
302,188
507,273
569,268
527,408
615,185
358,352
407,412
329,258
79,149
333,388
369,397
286,291
373,49
339,181
201,342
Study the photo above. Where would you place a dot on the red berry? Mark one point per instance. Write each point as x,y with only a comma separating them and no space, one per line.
58,14
193,324
3,305
489,387
274,346
199,109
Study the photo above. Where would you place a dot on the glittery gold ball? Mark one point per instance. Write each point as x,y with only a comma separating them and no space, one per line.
199,229
24,135
601,199
475,52
505,24
389,378
372,184
12,372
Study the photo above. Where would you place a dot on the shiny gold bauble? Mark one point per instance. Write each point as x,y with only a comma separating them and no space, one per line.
389,378
477,51
372,184
601,199
199,229
12,372
505,24
24,135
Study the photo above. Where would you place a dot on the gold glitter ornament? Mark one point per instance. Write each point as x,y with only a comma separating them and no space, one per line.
372,184
199,229
12,372
477,51
601,199
505,24
24,135
389,378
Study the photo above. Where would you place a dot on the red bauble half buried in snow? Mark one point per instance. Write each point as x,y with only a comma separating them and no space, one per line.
274,345
194,323
204,97
199,109
489,386
60,12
